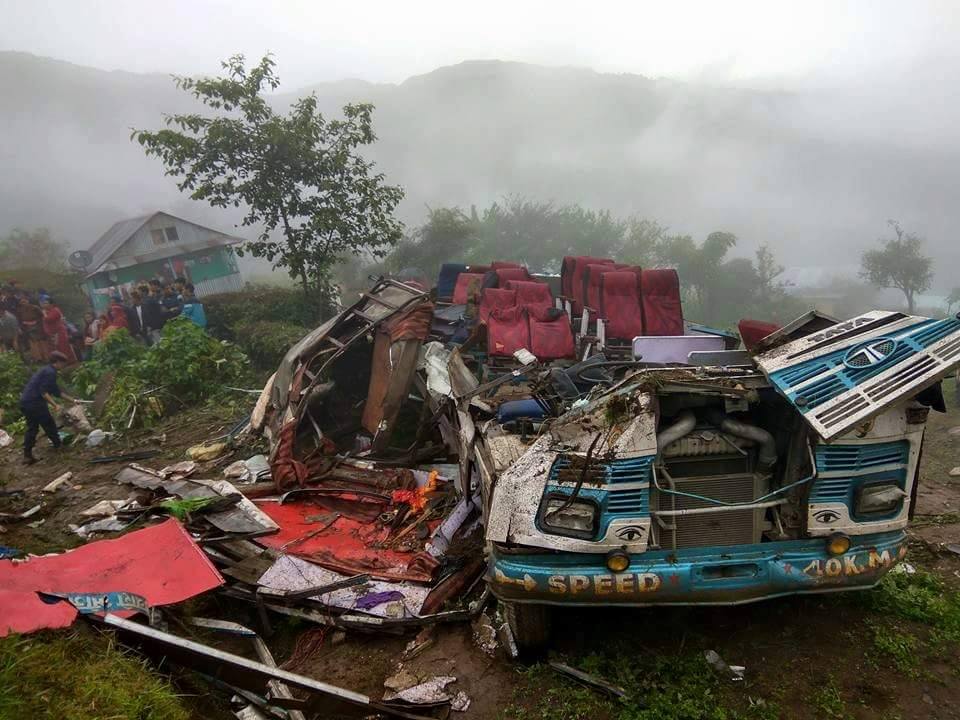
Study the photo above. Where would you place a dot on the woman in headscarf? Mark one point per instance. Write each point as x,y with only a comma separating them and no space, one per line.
116,316
55,328
34,343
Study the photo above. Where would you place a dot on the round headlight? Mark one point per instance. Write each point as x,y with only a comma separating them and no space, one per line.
618,560
838,544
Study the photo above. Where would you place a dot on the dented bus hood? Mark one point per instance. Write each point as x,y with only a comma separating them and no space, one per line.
841,376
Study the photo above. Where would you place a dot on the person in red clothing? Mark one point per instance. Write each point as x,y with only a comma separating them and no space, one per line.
55,328
116,316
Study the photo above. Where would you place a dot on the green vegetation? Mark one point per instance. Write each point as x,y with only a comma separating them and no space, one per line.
659,687
897,646
921,597
828,702
73,676
13,375
264,321
300,177
186,366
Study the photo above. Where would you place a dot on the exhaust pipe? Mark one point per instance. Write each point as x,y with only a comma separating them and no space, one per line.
768,446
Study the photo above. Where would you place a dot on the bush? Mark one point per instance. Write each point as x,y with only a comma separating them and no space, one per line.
228,312
191,364
13,376
187,364
266,342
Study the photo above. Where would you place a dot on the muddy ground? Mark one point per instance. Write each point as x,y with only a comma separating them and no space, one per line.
810,657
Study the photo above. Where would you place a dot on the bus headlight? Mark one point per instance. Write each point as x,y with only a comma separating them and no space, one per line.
878,499
578,518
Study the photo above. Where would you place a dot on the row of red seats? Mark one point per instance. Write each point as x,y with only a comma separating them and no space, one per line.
544,331
629,300
502,273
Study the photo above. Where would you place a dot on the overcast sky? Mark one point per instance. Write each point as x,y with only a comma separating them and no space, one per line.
750,42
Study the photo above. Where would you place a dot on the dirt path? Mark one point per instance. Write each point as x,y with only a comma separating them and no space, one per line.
846,656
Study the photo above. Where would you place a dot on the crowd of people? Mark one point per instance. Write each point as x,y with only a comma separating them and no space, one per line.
32,324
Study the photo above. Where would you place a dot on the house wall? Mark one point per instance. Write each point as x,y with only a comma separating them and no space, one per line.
211,271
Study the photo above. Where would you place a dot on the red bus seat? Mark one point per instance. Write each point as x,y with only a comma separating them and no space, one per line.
591,284
507,331
501,264
462,287
531,294
493,298
660,301
571,278
551,337
753,331
620,304
510,273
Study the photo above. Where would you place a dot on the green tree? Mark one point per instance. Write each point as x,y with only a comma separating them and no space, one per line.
33,249
641,243
448,234
701,268
899,264
300,175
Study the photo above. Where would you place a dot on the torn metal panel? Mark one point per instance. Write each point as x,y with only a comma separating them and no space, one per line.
162,563
850,372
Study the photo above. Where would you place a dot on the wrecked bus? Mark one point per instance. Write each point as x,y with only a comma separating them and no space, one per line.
612,453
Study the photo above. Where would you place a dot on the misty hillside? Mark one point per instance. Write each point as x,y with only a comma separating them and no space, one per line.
815,174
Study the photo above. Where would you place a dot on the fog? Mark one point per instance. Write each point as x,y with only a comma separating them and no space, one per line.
804,127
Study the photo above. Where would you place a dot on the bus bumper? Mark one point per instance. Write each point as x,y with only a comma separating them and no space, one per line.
698,576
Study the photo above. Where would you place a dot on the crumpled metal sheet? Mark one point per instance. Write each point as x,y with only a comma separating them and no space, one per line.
430,692
161,563
292,573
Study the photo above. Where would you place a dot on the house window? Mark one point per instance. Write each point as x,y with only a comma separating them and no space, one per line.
161,236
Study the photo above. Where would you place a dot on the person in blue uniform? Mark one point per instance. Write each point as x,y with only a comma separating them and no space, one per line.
40,390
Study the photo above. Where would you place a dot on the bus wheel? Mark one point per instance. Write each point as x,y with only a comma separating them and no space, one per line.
530,625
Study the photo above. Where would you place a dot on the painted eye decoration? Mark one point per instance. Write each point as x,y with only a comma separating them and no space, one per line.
631,533
826,516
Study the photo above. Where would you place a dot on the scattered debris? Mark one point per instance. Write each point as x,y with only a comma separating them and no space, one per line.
424,639
16,517
484,634
105,508
179,470
460,702
731,672
954,548
206,452
408,688
954,472
125,457
98,437
58,483
5,439
904,568
251,674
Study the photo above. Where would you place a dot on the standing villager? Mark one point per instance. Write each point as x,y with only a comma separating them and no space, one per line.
92,325
170,305
33,341
40,390
116,316
9,329
55,328
152,312
135,316
193,308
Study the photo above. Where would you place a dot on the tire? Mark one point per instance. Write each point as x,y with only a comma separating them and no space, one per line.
530,625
